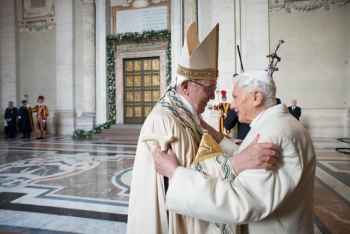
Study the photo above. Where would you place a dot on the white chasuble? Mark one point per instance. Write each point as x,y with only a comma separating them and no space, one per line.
147,212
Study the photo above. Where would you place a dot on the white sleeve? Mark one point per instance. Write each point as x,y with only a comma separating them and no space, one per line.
252,196
229,146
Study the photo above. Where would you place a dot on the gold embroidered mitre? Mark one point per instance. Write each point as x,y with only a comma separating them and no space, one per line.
199,60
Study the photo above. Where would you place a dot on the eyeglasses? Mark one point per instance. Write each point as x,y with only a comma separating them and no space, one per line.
207,89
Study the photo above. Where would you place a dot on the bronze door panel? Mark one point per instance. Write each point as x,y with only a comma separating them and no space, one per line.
142,88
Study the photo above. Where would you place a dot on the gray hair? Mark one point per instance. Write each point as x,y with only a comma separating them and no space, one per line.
248,84
179,80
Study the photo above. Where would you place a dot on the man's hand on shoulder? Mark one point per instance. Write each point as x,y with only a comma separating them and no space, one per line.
256,156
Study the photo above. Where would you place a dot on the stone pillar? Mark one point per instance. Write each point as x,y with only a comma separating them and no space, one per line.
8,74
176,36
224,13
255,34
101,70
87,119
64,114
347,132
190,13
238,37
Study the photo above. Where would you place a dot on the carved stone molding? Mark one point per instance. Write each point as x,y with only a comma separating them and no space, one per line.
126,3
290,6
35,15
140,3
158,1
37,27
147,45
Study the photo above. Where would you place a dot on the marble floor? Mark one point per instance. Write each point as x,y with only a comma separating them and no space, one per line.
59,185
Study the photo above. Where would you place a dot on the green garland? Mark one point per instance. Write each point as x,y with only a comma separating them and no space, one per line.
118,38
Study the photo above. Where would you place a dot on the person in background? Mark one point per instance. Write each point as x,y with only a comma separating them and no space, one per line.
25,120
223,107
41,115
294,109
11,119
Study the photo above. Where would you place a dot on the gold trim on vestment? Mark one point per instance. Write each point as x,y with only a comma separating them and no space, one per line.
207,156
208,148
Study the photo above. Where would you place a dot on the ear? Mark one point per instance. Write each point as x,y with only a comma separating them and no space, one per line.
184,86
258,98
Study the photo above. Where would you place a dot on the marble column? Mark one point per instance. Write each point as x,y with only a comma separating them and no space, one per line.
347,133
101,71
87,119
190,13
176,36
64,114
224,13
238,37
8,73
255,34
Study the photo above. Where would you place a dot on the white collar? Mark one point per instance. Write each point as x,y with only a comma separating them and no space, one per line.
259,115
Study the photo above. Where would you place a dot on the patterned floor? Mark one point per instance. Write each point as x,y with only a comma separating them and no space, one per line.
59,185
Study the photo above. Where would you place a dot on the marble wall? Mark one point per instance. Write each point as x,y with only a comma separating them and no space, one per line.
315,57
315,66
8,56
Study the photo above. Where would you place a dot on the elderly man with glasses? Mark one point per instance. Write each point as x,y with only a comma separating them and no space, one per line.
178,113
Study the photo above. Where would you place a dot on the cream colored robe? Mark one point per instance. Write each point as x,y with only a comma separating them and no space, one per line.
278,201
147,212
212,160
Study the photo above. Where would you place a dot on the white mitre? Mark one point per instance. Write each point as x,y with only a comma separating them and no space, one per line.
199,60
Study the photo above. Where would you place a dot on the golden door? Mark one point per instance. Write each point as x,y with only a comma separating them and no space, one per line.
141,88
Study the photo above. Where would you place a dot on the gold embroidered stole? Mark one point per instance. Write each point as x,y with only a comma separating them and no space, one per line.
173,104
212,161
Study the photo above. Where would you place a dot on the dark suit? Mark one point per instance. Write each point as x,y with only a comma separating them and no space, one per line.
296,112
25,121
11,119
231,120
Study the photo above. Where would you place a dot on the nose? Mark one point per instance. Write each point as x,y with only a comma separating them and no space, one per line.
232,106
212,95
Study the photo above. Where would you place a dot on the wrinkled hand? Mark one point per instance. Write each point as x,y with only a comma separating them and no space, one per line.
165,163
256,155
215,134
